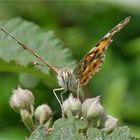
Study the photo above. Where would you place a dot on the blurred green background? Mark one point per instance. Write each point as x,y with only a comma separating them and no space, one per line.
79,25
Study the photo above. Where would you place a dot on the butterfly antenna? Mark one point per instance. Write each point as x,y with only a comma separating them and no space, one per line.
55,69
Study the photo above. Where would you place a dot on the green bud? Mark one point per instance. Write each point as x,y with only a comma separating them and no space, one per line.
21,100
92,109
43,113
110,123
27,119
71,106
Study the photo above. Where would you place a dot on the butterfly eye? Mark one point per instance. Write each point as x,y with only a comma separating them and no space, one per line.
62,73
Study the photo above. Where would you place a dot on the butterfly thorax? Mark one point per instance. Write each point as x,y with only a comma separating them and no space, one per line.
67,79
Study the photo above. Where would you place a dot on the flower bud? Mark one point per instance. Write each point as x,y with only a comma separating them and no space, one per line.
92,109
21,100
110,124
71,106
43,113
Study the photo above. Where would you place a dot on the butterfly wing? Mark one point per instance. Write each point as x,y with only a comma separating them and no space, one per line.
92,61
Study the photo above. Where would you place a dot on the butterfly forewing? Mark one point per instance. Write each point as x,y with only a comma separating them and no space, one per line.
92,61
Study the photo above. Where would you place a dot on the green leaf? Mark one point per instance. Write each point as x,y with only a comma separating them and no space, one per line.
63,129
95,134
43,43
120,133
68,129
75,129
38,134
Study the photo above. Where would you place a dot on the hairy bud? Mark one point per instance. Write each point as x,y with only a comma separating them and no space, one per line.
110,124
92,109
21,100
71,106
43,113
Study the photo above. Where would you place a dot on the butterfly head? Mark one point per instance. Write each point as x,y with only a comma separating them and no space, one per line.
66,79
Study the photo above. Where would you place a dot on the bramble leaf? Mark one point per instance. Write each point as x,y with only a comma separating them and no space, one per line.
75,129
120,133
38,134
67,129
42,42
94,133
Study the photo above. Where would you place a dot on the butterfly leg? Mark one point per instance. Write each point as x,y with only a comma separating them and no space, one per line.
60,102
54,91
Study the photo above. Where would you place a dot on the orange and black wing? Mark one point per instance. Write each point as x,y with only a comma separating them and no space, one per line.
92,61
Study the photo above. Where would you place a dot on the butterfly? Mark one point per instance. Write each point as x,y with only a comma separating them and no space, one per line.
69,79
